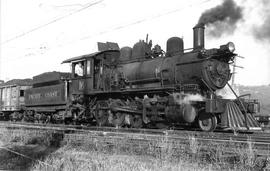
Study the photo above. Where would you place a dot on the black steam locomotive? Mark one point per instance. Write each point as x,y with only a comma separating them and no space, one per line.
142,86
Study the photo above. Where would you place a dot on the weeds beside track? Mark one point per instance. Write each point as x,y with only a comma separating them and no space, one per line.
259,140
164,146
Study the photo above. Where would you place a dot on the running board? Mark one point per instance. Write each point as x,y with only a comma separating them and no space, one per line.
234,119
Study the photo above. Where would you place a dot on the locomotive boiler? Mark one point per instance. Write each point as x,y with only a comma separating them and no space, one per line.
144,86
203,68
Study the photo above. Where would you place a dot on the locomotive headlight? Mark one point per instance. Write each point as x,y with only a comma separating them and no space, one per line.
228,47
231,46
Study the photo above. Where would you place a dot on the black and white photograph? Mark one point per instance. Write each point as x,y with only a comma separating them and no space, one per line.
134,85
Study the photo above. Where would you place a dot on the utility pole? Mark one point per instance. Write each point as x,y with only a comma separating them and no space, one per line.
233,72
0,38
234,68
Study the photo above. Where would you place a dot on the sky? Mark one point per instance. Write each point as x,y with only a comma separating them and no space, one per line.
37,35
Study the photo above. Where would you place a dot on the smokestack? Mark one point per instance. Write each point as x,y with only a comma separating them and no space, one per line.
198,37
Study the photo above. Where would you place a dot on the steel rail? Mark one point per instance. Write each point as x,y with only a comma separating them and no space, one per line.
257,138
158,138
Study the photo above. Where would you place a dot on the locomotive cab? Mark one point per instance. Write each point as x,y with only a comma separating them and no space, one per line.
82,76
90,73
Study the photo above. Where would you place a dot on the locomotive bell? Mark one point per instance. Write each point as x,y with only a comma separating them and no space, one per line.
141,49
125,53
198,37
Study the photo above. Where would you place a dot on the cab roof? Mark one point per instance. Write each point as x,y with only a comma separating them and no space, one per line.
84,57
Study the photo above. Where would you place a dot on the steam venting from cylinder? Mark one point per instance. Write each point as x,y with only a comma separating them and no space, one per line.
198,37
187,98
226,92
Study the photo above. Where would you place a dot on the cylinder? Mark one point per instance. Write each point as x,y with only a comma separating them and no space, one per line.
198,37
184,113
188,113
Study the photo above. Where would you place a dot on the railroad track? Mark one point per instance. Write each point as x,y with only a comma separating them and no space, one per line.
260,141
256,136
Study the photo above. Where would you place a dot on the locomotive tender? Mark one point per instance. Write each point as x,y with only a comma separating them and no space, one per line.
142,86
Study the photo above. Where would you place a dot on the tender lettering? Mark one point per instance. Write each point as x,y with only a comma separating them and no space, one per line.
51,94
39,96
35,96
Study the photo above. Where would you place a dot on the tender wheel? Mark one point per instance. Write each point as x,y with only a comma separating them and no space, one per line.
207,122
118,119
137,122
101,113
102,117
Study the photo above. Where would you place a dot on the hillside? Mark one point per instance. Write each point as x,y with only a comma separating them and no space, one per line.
258,92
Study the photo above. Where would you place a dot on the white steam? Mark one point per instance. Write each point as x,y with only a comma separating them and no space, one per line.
226,92
181,98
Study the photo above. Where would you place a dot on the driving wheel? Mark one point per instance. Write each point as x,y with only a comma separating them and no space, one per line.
207,122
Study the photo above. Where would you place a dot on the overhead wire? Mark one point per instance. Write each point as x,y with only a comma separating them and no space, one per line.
114,28
138,21
143,20
51,22
86,6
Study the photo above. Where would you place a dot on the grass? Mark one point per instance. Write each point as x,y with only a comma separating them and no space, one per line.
70,159
21,149
99,154
83,152
20,136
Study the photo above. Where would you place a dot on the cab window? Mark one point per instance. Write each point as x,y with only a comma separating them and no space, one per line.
88,68
78,69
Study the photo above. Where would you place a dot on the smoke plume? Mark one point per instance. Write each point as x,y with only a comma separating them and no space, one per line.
222,19
262,32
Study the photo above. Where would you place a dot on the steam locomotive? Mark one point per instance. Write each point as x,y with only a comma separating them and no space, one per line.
141,86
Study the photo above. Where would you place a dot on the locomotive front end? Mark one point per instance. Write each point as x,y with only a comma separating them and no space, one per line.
215,66
216,70
230,113
210,70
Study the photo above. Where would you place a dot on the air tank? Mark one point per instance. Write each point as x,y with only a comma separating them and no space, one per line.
175,45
